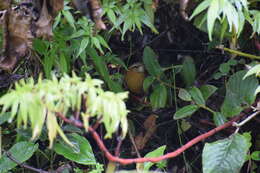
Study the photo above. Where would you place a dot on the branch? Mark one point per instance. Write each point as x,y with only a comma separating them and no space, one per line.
173,154
9,155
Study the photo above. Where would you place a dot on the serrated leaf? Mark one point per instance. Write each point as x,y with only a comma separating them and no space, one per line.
207,91
197,96
240,94
188,71
219,119
156,153
159,97
148,82
21,151
225,156
184,95
185,111
151,63
81,152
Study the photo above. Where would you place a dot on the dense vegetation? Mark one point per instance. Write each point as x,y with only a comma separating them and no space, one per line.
120,85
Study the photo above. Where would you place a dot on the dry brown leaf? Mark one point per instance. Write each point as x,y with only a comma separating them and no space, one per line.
21,24
150,126
5,4
44,24
17,36
183,9
56,6
150,121
96,14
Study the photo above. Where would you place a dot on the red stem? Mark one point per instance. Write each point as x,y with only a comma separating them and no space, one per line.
175,153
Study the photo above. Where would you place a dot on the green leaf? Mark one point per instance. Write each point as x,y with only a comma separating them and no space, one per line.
21,152
111,15
256,155
4,117
197,96
150,61
225,156
77,34
102,70
81,152
224,68
185,111
257,90
156,153
212,15
111,58
201,7
207,91
69,18
48,63
184,95
40,46
95,41
232,16
240,94
148,82
253,70
159,97
63,64
188,71
83,45
219,119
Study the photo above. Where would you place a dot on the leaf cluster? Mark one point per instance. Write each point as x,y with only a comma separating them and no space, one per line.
37,104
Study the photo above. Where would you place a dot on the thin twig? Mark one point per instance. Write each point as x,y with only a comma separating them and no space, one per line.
9,155
134,144
119,143
238,125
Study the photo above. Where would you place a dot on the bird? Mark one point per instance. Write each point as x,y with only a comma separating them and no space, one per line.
134,78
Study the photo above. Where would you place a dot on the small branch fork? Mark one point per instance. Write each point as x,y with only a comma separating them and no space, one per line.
9,155
175,153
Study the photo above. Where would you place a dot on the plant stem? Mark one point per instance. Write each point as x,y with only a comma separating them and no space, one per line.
247,55
206,108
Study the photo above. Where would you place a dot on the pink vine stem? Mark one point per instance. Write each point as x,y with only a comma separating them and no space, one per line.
173,154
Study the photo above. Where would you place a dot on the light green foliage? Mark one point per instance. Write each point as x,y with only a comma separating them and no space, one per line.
185,111
155,153
133,16
21,151
240,94
254,70
253,17
38,103
227,155
87,36
221,10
